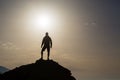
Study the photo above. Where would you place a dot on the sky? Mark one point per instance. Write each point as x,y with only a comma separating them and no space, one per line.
85,35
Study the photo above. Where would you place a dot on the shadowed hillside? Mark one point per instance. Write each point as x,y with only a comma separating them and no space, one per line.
40,70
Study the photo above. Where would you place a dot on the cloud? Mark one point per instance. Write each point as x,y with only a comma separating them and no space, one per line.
8,46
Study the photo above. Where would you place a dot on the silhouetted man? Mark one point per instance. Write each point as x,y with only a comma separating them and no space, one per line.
47,42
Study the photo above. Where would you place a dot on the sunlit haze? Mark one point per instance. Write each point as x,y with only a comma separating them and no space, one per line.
85,35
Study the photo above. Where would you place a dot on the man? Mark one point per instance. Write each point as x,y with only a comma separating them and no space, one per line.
46,44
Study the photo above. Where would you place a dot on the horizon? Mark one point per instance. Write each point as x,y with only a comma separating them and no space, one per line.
85,35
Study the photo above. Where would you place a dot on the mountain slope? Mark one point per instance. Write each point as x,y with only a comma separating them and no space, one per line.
41,70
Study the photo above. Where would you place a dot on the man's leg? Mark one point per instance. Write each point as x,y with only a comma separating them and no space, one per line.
43,49
42,54
48,51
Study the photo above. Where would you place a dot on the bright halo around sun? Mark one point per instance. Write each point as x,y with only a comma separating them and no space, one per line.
42,21
45,21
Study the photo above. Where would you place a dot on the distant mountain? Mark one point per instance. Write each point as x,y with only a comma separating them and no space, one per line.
40,70
3,69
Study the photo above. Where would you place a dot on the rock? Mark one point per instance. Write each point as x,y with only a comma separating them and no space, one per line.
40,70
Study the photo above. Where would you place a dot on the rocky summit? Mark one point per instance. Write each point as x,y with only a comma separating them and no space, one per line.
40,70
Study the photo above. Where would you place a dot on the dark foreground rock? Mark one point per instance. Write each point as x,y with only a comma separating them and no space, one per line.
1,77
40,70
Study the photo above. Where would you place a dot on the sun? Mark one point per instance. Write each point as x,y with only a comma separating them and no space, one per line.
45,21
42,21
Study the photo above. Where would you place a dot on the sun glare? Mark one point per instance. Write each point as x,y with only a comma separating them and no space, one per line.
45,20
42,21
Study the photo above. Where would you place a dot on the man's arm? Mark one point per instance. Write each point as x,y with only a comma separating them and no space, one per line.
51,42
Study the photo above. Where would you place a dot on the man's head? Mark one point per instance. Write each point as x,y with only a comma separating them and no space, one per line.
46,33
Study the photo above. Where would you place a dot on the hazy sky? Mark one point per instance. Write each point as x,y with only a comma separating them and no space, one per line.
85,34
